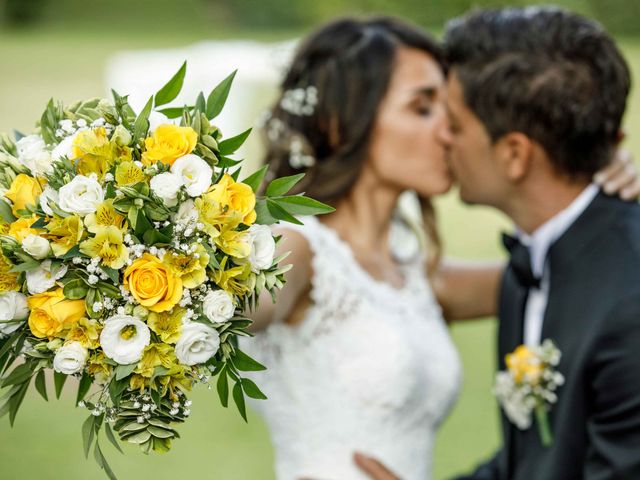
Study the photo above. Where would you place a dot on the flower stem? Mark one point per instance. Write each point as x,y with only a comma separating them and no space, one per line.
544,429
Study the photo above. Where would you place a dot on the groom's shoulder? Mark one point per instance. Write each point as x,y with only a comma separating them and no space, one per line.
624,226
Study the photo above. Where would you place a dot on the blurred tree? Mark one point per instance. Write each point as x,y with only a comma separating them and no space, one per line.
21,12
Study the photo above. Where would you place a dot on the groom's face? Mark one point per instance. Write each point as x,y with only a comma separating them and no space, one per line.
473,155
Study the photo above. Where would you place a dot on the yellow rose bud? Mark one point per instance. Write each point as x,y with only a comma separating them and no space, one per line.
237,196
24,191
153,284
52,314
168,143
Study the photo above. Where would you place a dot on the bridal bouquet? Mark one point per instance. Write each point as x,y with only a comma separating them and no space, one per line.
130,258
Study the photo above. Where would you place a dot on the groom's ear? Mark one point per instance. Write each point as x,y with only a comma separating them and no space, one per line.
514,152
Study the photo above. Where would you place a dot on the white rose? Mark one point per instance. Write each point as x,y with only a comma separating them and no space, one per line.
41,279
186,214
13,307
166,186
218,306
263,247
36,246
70,358
197,343
82,195
33,154
195,174
64,148
124,338
48,195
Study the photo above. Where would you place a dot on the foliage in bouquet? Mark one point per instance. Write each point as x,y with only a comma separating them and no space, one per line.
131,257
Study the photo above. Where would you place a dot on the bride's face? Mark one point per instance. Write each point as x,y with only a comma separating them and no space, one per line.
411,136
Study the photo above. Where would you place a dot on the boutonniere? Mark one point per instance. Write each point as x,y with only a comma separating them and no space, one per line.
528,387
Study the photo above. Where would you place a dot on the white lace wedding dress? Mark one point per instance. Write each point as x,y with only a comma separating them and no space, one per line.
371,368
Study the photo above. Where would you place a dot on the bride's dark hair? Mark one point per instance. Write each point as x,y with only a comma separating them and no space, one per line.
348,63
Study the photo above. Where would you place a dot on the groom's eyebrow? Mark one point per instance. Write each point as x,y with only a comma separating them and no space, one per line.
429,92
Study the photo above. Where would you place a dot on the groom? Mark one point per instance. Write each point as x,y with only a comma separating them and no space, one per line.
536,98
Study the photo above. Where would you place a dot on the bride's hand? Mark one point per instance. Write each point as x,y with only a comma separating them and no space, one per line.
620,177
373,468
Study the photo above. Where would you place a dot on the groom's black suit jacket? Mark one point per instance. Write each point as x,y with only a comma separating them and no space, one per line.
593,316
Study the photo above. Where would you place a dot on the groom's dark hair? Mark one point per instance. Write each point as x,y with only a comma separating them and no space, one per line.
553,75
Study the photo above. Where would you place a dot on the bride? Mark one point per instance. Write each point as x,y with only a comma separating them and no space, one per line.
358,354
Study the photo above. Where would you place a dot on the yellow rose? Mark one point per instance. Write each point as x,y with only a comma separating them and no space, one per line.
236,196
168,143
24,191
64,233
21,228
153,284
52,314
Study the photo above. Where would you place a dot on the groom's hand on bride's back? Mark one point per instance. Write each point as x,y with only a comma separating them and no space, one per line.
620,176
373,468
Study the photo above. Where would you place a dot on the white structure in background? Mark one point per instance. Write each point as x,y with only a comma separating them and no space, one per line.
260,67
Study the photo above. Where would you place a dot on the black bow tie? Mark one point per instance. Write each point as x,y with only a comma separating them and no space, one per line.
520,261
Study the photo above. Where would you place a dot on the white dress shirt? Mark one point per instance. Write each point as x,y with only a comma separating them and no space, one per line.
539,243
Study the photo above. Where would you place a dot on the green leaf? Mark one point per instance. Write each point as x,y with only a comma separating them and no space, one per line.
223,388
23,267
75,289
160,432
141,126
245,363
280,213
88,433
113,274
73,252
9,342
300,205
16,401
41,385
116,388
58,381
218,96
97,453
111,437
238,398
123,371
83,386
201,104
252,390
255,180
19,374
172,88
264,217
280,186
173,112
5,212
142,224
153,237
230,145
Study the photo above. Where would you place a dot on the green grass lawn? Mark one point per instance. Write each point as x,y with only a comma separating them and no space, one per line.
216,443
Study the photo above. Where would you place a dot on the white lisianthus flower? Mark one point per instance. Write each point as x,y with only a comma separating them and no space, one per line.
82,195
64,148
36,246
13,307
43,278
70,358
166,186
187,213
33,154
48,195
263,247
218,306
195,174
197,344
156,119
124,338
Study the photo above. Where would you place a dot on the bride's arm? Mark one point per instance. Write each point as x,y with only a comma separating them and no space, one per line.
467,289
298,282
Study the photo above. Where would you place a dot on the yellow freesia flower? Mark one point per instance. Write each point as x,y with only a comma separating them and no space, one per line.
64,234
98,368
167,325
24,191
138,382
8,280
128,173
192,269
21,228
235,196
52,315
524,364
168,143
155,355
234,280
95,153
175,379
106,215
233,242
153,284
87,332
108,245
